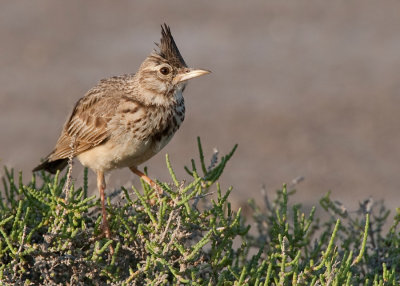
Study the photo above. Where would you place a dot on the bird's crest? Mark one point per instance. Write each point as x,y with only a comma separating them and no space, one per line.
168,49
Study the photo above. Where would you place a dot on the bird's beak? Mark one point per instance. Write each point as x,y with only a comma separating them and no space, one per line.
189,74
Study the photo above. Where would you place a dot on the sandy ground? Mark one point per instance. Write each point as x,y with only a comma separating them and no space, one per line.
306,88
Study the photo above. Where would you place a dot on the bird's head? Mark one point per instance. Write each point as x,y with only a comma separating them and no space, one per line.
164,74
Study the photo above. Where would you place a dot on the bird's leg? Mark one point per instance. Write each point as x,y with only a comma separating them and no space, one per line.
145,178
101,185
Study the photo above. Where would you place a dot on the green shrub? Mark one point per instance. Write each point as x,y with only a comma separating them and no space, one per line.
50,234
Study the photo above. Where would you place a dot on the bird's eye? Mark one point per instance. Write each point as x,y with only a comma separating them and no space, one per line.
164,70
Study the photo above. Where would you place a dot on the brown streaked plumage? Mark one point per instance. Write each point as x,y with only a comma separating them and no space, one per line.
125,120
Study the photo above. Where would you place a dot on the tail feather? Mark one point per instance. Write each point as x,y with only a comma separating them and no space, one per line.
52,166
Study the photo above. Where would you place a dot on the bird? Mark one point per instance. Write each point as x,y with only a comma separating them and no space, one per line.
125,120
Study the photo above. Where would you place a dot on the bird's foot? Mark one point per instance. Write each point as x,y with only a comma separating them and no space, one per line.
105,233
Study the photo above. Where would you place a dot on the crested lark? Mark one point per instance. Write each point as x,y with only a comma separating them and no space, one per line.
125,120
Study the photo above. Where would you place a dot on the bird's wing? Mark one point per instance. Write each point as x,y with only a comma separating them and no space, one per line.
87,126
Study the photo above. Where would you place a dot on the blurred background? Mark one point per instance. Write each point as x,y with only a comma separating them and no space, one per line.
306,88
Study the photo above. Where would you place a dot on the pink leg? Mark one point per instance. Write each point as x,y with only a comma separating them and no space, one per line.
101,185
145,178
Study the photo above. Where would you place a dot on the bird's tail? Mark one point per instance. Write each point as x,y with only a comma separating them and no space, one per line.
52,166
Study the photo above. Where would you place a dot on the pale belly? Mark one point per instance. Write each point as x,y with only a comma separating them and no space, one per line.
113,155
